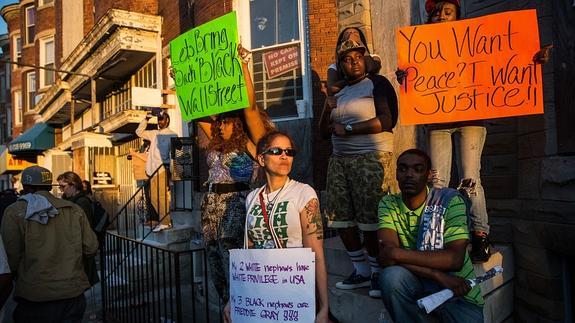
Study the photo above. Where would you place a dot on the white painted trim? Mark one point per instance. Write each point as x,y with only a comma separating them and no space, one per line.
41,53
26,25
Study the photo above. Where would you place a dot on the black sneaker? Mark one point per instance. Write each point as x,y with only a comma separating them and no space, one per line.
480,249
374,290
354,281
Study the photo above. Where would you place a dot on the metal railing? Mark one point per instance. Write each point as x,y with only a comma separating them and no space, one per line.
132,220
144,283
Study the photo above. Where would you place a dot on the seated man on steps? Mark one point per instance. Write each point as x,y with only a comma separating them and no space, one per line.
423,239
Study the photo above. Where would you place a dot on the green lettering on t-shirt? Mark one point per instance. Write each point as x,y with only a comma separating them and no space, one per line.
280,219
282,207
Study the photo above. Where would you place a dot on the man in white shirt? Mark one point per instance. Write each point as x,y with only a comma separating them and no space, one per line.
5,279
158,155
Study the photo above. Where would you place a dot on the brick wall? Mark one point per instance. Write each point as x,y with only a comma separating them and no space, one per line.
149,7
58,36
206,10
88,15
177,19
45,18
323,32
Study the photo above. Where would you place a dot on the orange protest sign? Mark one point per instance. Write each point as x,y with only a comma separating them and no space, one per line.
470,69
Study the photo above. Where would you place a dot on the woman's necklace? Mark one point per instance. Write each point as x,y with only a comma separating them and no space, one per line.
270,204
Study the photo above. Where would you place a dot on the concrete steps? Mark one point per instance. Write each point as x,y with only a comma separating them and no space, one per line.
356,305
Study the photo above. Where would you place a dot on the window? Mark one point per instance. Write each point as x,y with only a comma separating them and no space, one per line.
30,24
18,113
47,60
30,90
17,56
273,22
282,85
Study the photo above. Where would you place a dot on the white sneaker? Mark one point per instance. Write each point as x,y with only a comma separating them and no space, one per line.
162,227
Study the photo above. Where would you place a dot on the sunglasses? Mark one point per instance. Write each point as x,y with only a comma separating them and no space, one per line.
290,152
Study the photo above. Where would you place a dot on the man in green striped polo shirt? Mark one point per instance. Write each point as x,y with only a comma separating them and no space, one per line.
416,260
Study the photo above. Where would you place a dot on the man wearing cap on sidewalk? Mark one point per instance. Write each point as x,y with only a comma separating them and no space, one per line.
45,239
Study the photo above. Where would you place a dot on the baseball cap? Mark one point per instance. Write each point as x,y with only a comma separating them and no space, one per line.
37,176
349,45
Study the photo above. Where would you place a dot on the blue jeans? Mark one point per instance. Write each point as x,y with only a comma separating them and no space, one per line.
401,289
469,141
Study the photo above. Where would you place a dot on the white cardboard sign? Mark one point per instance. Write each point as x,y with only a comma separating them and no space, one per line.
272,285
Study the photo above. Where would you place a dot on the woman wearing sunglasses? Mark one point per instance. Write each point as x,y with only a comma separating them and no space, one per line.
230,156
284,213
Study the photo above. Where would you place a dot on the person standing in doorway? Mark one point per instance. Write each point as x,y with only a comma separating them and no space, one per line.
157,168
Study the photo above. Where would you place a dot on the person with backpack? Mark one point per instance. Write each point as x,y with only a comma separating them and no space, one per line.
70,184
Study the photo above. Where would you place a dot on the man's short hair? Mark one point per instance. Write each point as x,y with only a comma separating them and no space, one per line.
420,153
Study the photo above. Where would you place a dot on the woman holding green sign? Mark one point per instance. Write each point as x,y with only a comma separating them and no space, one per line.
230,156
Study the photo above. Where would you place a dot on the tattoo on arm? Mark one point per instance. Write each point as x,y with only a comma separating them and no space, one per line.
314,221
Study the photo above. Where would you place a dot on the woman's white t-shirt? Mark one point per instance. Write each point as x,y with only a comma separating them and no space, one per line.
283,207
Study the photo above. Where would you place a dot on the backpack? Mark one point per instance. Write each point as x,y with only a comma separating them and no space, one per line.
101,220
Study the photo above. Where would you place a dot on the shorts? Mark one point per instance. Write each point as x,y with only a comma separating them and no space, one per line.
355,185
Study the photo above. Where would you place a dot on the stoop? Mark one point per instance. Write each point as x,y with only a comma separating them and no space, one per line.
350,306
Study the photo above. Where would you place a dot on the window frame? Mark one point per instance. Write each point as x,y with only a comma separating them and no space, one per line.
18,109
43,63
244,30
30,100
27,25
17,50
42,3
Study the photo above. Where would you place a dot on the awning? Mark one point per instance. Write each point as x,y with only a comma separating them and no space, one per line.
11,165
33,141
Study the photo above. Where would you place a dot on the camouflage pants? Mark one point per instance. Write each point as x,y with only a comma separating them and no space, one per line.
223,219
355,185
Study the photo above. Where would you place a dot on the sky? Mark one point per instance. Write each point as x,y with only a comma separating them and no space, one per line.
2,22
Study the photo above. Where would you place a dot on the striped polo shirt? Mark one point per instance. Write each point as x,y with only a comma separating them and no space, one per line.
395,215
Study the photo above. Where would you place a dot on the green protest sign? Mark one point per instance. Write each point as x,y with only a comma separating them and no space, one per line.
207,69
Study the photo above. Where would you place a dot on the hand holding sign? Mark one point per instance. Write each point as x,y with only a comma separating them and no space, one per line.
470,69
